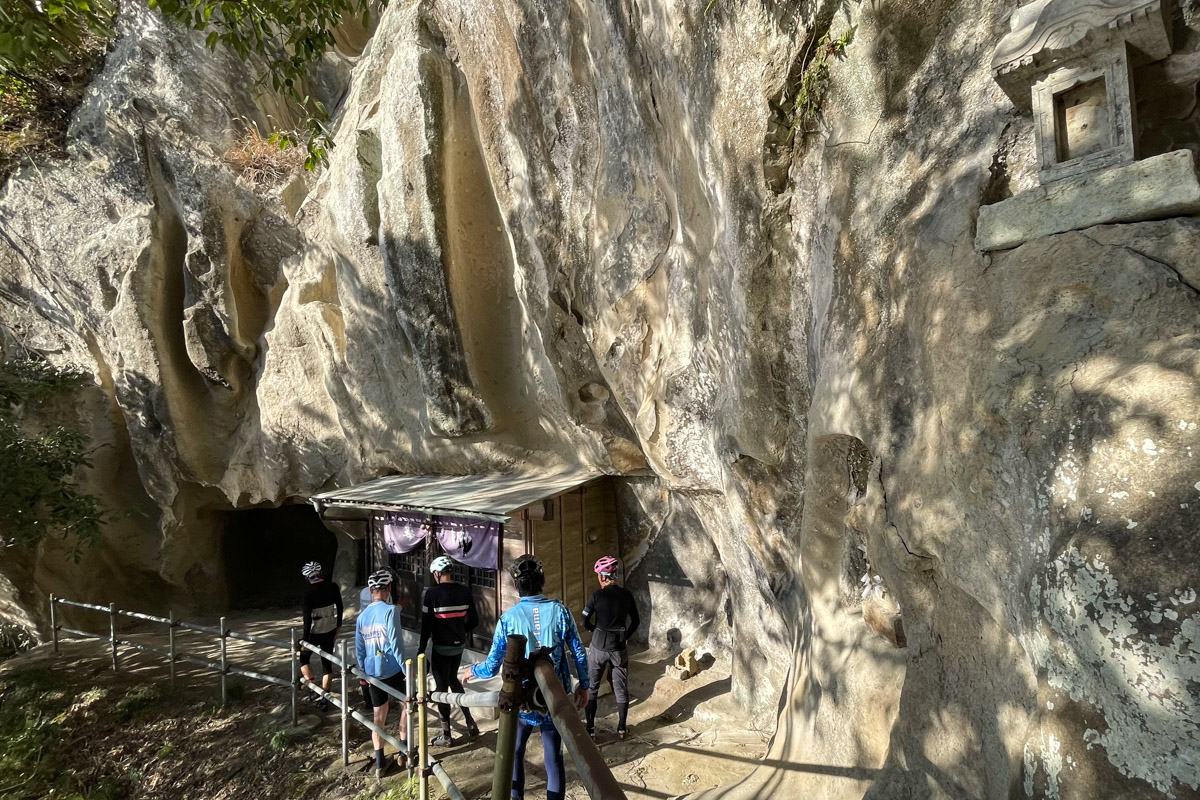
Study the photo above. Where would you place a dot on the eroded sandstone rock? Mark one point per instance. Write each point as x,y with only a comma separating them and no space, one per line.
547,236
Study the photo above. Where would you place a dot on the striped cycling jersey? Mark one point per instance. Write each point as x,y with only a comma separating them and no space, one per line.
447,616
451,612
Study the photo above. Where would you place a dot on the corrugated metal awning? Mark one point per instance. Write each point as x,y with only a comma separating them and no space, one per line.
489,496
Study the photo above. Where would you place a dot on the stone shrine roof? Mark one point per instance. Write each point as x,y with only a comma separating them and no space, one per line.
1046,32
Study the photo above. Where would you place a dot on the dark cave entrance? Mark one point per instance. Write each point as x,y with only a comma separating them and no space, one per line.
263,550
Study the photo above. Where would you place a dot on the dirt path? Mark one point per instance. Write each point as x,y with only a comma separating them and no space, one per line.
676,745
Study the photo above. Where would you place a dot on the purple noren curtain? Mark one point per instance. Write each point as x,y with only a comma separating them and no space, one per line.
473,542
403,532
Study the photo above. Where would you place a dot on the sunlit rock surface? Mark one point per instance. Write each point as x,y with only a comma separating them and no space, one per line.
581,233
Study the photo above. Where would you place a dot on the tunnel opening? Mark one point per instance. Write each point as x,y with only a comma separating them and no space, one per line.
263,550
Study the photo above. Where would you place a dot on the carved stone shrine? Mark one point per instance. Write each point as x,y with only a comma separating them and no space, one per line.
1071,62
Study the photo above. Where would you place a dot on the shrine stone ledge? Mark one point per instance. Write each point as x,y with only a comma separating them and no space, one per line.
1154,188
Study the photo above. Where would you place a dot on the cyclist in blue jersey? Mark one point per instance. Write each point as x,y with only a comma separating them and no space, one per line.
544,623
379,649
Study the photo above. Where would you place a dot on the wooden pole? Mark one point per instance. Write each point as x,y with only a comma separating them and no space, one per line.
512,674
410,691
594,774
423,711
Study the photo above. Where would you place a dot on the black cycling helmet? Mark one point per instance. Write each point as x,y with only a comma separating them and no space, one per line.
526,565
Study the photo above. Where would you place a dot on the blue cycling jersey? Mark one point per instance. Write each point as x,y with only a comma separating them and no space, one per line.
544,623
377,643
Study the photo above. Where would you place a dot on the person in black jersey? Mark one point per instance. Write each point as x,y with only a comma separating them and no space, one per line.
447,615
322,610
612,616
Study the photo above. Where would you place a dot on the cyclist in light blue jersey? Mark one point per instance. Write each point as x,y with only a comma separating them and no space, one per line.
544,623
380,653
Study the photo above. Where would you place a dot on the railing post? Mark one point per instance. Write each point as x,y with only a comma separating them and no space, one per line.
593,773
171,645
345,704
295,680
410,691
423,712
112,633
224,665
53,625
512,673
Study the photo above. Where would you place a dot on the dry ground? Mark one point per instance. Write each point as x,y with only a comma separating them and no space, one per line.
675,745
73,728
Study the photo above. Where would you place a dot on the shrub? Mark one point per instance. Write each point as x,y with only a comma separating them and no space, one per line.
814,83
30,682
139,702
285,738
39,462
291,36
262,162
13,640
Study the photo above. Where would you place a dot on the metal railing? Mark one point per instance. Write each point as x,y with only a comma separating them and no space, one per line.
520,675
173,653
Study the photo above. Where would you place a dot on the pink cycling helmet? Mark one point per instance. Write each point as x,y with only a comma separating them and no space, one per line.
607,565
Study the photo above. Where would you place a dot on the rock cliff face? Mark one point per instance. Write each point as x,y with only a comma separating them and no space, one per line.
581,233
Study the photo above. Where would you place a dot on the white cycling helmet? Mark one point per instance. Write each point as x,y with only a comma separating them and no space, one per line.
441,564
379,580
311,570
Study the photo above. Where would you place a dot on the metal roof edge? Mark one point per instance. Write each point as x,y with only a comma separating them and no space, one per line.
559,481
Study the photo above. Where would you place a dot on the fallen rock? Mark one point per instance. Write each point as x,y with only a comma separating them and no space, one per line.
688,664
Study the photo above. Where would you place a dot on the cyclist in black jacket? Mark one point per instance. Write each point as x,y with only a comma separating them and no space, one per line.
606,615
321,608
447,615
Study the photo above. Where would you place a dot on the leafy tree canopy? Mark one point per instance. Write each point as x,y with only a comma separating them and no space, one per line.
289,35
47,58
34,35
38,465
